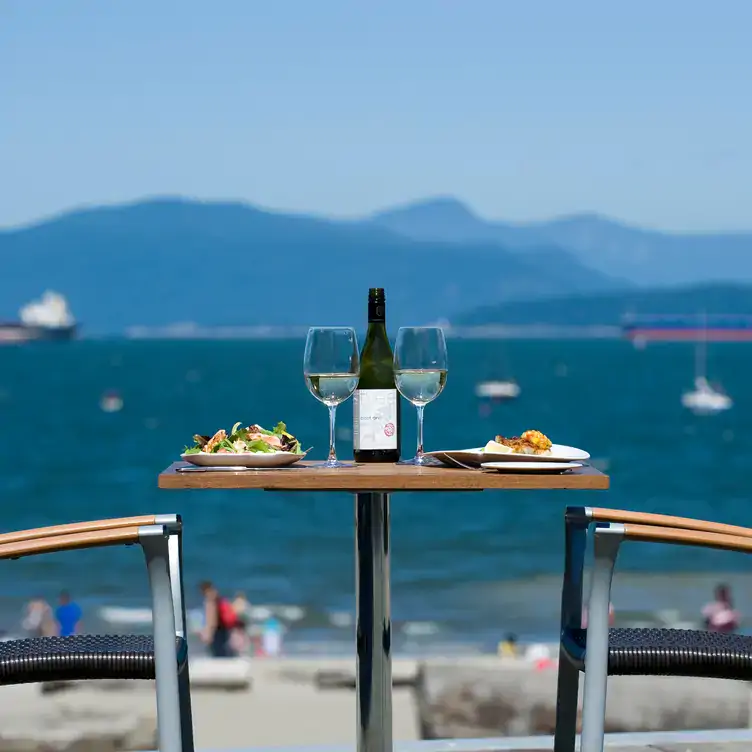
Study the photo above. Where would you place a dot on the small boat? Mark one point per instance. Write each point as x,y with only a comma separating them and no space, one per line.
498,390
705,399
111,402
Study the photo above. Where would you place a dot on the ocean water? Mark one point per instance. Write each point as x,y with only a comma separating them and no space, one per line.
466,568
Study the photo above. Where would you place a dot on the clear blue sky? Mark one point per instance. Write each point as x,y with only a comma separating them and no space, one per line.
524,109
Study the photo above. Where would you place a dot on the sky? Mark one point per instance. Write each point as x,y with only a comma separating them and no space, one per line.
523,110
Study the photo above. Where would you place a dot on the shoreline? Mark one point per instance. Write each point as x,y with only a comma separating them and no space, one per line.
492,331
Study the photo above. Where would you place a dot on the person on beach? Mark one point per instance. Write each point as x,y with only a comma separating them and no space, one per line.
242,607
507,648
239,639
68,615
219,622
271,638
720,615
38,620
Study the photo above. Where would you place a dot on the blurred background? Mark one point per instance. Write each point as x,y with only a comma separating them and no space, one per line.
187,187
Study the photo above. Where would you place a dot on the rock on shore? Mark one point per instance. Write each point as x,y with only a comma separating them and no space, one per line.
510,698
69,722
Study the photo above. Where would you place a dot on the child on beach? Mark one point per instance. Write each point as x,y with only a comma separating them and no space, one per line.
720,615
68,615
271,638
507,648
239,640
39,621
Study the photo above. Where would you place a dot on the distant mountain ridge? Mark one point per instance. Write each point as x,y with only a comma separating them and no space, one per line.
644,257
162,261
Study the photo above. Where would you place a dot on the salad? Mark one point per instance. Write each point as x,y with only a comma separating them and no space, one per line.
249,440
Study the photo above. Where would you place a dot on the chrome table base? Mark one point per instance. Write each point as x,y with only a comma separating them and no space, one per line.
374,623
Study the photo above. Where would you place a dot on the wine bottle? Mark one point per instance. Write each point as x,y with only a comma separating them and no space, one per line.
376,403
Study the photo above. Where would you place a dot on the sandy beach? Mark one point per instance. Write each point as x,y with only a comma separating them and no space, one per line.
283,706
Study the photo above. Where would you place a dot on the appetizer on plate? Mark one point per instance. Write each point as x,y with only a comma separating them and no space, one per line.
531,446
246,440
530,442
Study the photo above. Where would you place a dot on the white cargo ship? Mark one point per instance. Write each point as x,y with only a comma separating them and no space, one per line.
48,318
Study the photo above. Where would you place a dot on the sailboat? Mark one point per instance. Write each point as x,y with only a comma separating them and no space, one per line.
705,399
499,389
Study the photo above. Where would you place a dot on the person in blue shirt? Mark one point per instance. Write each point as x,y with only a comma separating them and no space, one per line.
68,615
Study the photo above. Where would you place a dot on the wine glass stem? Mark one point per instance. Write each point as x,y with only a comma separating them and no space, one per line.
332,425
419,452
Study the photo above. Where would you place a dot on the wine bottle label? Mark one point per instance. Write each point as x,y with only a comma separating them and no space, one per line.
375,419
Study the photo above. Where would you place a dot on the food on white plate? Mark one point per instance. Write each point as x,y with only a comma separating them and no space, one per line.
246,440
530,442
496,448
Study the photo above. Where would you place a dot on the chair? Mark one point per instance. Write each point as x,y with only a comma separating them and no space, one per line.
163,656
599,651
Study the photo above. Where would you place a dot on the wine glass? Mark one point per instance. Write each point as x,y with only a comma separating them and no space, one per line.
420,372
331,368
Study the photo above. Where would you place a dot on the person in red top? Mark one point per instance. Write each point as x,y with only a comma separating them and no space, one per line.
720,615
219,621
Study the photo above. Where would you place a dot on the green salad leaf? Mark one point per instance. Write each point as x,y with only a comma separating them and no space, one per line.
246,439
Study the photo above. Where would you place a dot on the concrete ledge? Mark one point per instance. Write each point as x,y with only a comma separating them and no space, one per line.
229,674
346,680
221,673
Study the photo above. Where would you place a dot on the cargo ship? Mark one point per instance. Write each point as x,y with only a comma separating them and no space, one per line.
46,319
687,328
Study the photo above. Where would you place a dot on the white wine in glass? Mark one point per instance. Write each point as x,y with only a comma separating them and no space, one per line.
331,368
331,388
420,372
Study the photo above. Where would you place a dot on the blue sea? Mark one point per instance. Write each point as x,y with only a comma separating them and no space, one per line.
466,568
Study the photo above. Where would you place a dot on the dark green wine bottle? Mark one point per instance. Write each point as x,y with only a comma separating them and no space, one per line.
376,403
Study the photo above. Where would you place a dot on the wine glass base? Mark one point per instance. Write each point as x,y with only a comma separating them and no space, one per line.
421,461
326,464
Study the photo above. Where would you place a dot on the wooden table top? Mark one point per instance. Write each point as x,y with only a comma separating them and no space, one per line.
379,478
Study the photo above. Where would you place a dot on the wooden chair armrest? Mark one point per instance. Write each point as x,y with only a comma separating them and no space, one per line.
71,541
687,537
664,520
76,527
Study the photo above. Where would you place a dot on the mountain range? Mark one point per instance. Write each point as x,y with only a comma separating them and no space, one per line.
643,257
162,261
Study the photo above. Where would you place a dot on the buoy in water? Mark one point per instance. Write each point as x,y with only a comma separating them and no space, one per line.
111,402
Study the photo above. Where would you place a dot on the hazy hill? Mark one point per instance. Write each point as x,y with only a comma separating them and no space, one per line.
645,257
599,309
163,261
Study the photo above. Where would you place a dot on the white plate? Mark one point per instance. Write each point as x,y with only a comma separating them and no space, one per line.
476,456
530,467
248,459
